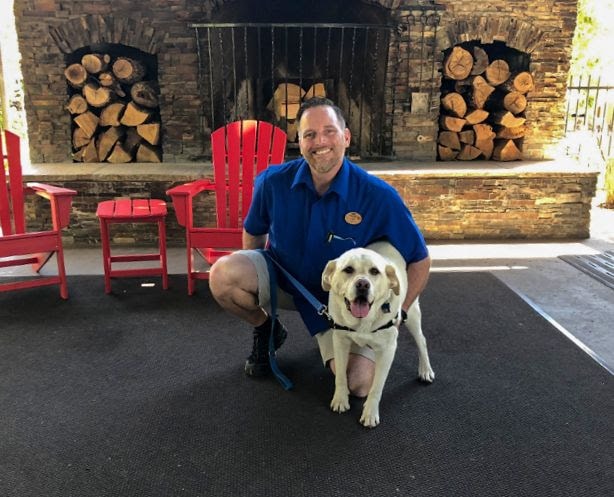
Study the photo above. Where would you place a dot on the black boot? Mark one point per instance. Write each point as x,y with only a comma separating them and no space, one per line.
257,364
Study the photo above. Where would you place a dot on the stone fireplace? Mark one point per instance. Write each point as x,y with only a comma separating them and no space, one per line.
386,63
380,60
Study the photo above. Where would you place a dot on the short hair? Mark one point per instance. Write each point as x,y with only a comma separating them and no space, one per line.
320,102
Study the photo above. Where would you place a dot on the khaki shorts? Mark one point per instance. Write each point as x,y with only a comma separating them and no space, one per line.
285,301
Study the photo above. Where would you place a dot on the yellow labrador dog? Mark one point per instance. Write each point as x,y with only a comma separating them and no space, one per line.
366,289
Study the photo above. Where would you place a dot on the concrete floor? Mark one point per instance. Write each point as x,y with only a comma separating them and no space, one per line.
578,305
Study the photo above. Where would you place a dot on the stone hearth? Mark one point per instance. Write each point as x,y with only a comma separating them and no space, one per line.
450,201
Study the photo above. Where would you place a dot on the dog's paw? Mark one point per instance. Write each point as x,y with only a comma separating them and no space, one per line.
370,416
426,374
340,402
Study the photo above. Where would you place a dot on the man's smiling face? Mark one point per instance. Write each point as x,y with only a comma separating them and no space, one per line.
322,139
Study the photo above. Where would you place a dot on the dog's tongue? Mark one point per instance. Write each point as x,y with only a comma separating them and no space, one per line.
359,308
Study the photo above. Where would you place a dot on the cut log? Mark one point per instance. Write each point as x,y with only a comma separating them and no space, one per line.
77,104
107,79
521,82
455,104
88,122
450,123
458,64
446,153
463,86
128,70
468,152
144,93
481,91
97,96
110,81
79,138
484,139
111,114
151,132
134,115
497,72
119,155
95,63
467,136
147,153
107,141
292,131
132,140
90,154
480,62
286,100
78,155
76,75
507,119
449,139
315,90
476,116
506,150
515,102
511,133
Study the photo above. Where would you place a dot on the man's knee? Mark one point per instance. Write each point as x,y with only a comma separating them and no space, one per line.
232,271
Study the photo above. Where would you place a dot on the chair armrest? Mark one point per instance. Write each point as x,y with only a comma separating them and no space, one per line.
192,188
61,201
182,196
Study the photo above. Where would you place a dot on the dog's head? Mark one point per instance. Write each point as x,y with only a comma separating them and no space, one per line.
359,280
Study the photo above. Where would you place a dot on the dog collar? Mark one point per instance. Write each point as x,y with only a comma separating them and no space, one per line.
336,326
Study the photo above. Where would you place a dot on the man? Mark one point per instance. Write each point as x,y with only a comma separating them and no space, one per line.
307,212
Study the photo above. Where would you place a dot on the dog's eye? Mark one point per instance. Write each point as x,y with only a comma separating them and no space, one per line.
374,271
348,269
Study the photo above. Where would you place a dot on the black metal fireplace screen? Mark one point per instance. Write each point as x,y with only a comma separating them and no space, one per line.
263,71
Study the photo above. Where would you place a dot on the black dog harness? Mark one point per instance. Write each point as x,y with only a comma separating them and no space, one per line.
385,309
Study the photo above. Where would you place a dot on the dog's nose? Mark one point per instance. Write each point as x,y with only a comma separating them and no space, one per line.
362,285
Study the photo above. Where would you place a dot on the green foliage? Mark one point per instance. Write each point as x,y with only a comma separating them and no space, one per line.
592,50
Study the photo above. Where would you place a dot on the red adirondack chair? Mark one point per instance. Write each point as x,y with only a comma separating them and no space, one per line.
17,246
240,150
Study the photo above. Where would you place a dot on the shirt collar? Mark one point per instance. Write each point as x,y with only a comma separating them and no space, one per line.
340,184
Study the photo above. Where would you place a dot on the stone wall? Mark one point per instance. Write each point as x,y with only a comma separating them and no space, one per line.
49,30
484,204
496,207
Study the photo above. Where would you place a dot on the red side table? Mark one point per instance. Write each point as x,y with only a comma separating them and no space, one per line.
132,211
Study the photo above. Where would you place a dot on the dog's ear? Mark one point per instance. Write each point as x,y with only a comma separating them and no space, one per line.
327,274
393,278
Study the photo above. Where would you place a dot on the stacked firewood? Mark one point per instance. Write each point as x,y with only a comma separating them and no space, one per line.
482,111
114,109
286,102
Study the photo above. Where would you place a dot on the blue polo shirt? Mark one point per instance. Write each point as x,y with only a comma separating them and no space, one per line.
307,230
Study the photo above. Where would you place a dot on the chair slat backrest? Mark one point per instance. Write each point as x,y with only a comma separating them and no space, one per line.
12,216
240,150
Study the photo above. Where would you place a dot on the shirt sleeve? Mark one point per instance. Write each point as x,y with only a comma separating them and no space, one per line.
257,221
400,228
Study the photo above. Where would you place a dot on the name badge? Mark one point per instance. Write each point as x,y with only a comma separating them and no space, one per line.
353,218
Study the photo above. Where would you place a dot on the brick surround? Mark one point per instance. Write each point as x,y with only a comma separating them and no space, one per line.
49,30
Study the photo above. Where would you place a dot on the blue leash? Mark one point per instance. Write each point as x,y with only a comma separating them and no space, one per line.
320,308
281,378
